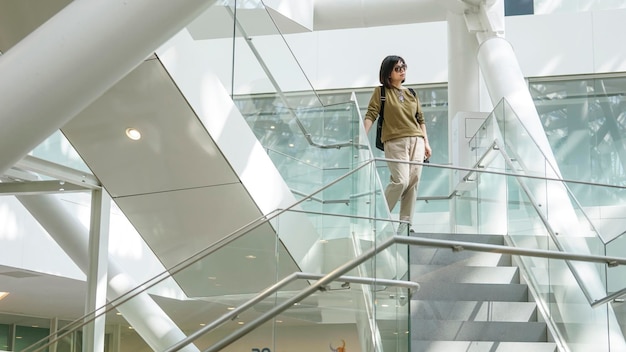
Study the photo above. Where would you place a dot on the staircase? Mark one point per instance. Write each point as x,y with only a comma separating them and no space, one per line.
472,301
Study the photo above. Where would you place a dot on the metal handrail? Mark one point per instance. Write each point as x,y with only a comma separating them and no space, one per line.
455,246
546,224
280,93
88,318
412,286
233,236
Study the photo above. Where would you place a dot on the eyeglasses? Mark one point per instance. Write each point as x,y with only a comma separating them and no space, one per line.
400,68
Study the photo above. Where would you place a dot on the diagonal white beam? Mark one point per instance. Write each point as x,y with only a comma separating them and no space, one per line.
147,318
73,58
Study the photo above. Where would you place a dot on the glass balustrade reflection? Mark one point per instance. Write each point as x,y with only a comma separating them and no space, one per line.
540,213
203,289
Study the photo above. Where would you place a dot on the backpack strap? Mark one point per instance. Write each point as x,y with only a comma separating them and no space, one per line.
382,102
413,92
379,126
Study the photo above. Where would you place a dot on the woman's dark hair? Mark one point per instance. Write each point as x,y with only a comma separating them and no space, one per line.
386,67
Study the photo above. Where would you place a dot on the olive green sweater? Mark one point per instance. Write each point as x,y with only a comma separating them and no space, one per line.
399,116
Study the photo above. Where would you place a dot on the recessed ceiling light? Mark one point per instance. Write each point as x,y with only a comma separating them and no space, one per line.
250,256
3,295
133,133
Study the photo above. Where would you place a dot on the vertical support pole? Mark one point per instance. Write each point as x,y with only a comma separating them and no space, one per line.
116,338
97,278
159,331
54,328
463,69
12,332
463,93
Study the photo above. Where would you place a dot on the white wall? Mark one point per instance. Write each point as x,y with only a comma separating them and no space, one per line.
569,43
26,245
562,43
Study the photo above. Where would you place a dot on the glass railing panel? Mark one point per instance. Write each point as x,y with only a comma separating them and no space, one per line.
312,142
553,213
208,285
483,140
616,276
584,123
317,142
554,283
393,317
542,213
434,194
565,219
583,327
305,154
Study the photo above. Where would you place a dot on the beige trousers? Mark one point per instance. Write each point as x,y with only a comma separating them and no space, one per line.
404,178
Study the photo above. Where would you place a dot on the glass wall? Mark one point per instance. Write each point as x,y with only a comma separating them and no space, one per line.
585,121
5,337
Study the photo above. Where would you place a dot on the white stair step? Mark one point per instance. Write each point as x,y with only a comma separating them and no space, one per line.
445,256
474,311
481,346
464,274
474,238
444,291
449,330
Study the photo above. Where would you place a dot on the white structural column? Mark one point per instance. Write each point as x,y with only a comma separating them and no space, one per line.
70,60
146,317
54,328
504,79
463,72
93,333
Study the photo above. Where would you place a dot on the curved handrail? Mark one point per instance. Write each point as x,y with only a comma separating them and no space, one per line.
279,91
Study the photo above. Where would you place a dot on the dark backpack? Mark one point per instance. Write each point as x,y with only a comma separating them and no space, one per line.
379,127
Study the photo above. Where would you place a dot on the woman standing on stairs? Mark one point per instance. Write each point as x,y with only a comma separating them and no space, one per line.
403,135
